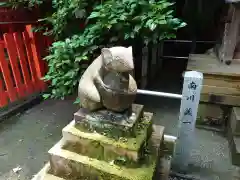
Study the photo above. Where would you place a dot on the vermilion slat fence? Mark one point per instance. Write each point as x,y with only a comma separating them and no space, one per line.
21,65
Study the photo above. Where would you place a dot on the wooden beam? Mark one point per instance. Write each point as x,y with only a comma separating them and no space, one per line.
230,37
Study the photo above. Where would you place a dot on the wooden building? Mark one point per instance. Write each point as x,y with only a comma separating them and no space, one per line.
221,85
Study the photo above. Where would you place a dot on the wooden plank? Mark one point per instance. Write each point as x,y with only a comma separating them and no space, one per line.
221,99
3,95
30,61
220,90
35,51
12,53
23,62
7,75
231,35
209,65
222,82
38,62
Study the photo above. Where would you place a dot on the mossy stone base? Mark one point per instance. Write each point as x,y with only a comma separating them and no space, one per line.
108,122
72,166
67,165
102,147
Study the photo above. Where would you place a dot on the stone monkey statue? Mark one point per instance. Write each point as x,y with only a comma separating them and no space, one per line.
111,74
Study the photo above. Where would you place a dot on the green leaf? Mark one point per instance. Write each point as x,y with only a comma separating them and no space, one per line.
149,22
85,58
46,96
108,22
137,28
94,15
137,18
47,77
162,22
54,82
122,17
183,24
153,26
114,21
4,4
77,101
67,83
126,36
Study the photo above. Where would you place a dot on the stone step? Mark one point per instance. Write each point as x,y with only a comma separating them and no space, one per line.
236,173
68,165
102,147
235,121
210,114
119,124
44,174
234,145
235,150
61,163
162,174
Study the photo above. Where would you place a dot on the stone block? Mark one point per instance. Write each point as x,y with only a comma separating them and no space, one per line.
210,114
234,146
235,151
109,122
71,165
102,147
44,174
235,121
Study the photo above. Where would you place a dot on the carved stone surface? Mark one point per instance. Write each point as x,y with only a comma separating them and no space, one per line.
75,162
85,155
106,120
107,82
118,91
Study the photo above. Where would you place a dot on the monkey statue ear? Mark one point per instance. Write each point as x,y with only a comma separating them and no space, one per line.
106,56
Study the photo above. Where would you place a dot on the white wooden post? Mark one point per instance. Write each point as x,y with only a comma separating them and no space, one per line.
187,119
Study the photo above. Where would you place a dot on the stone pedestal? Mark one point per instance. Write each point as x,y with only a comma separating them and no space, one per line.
110,123
88,151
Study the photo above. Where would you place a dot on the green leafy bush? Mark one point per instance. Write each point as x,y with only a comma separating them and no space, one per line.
109,23
21,3
106,23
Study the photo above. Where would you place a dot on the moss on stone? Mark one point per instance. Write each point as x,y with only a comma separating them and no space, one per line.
101,122
83,167
104,148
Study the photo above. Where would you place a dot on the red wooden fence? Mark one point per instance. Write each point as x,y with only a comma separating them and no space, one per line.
21,65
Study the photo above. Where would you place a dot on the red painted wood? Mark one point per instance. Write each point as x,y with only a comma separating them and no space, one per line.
35,51
38,62
7,76
34,77
12,53
3,95
23,62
